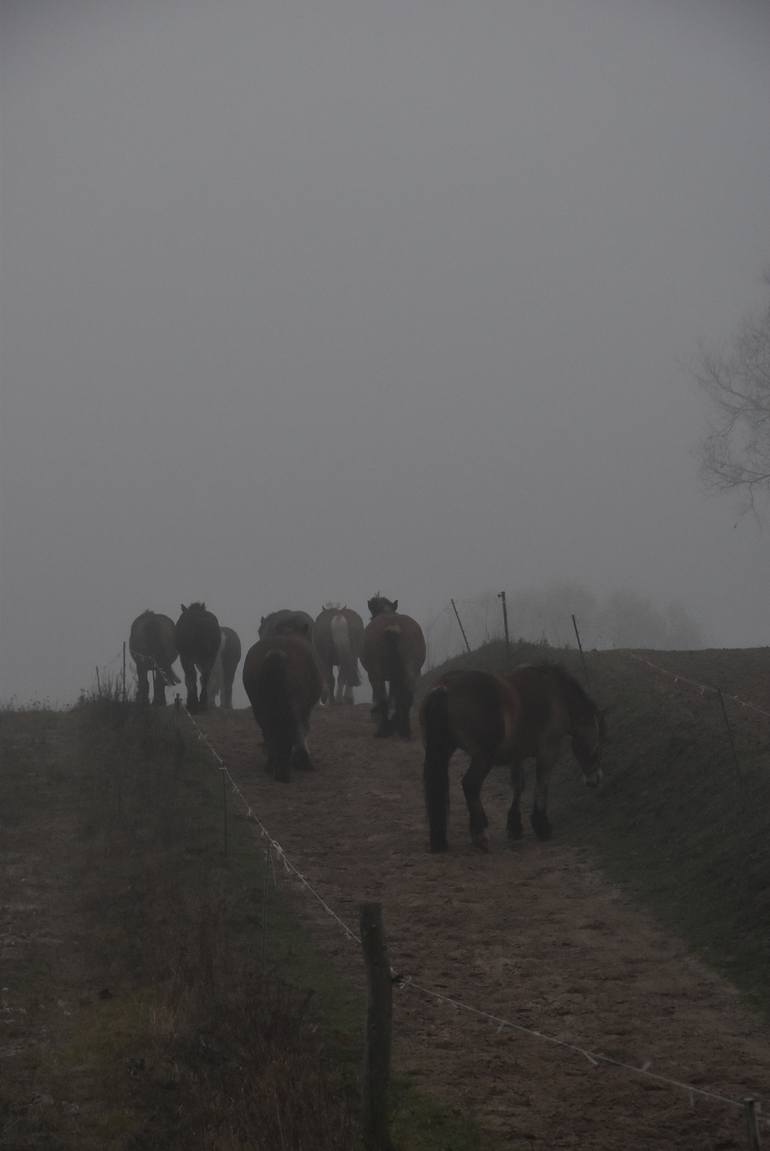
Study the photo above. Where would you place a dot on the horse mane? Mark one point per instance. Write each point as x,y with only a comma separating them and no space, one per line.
575,693
197,606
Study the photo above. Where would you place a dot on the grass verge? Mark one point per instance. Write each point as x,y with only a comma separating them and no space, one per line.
205,1017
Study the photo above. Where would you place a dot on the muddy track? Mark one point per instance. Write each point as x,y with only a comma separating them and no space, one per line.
534,934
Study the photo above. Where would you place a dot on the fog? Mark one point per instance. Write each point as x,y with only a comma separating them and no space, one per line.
303,301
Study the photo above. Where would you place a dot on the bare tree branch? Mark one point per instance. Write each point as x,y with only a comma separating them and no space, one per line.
734,453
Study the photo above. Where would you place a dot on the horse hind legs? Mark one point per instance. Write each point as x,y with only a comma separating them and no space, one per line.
381,712
384,727
472,781
301,755
541,825
514,824
191,683
402,717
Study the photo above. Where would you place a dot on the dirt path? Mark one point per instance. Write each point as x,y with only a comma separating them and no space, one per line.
532,934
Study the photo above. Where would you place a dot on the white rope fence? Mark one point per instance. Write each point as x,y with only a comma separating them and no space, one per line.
272,843
703,688
407,982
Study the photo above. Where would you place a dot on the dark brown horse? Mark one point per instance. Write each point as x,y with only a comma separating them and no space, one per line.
197,636
393,655
152,647
225,665
286,622
338,636
379,605
505,719
283,683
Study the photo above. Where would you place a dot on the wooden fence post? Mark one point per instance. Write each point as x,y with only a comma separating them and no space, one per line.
752,1126
379,1013
124,671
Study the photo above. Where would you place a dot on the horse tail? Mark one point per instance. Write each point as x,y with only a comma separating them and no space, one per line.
394,660
438,750
276,705
348,661
216,675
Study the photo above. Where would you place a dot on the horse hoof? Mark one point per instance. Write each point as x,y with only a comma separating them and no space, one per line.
481,842
303,762
541,826
515,832
438,848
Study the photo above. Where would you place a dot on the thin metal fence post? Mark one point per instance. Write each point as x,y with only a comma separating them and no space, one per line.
460,622
501,597
582,654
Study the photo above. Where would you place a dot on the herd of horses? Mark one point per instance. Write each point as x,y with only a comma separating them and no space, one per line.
496,719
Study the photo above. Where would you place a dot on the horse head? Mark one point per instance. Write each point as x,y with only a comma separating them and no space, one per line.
194,607
379,605
588,738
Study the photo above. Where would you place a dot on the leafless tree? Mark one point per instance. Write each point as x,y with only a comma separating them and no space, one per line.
735,451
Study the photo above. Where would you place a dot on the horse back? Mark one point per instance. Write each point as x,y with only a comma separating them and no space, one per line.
303,677
389,637
198,635
484,713
324,625
152,636
544,715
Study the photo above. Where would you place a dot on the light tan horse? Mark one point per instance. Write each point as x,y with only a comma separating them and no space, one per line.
225,666
338,637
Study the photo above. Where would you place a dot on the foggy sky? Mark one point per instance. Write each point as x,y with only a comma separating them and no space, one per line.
302,301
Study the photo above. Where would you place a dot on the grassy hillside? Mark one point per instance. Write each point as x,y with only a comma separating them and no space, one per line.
155,992
677,823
